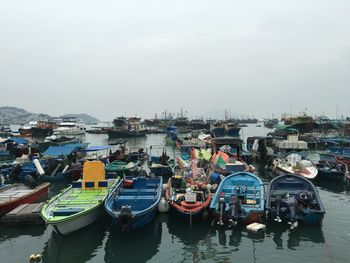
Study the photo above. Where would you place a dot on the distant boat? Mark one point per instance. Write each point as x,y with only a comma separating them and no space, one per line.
127,127
81,203
134,203
70,126
238,199
14,195
293,199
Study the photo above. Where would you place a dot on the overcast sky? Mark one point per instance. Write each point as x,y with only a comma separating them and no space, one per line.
110,58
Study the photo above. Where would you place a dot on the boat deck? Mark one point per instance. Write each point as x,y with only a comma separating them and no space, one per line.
13,193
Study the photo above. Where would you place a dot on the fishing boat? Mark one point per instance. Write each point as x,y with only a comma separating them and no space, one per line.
294,164
188,196
228,163
239,199
17,194
161,166
81,203
293,199
123,127
120,168
134,203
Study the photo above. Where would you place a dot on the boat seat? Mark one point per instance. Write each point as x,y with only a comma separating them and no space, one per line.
154,186
89,184
125,197
67,211
145,197
77,184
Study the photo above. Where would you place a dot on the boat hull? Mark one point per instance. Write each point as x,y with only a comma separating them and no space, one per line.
41,192
73,224
121,134
299,200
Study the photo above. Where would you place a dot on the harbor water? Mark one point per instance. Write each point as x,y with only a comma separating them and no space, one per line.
170,239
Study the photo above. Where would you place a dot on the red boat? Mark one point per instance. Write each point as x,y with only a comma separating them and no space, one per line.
14,195
184,203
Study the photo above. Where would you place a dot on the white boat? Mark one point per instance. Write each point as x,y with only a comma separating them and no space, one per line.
293,164
70,126
80,204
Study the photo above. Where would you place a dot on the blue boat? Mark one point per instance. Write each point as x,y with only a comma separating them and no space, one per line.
239,199
294,199
134,203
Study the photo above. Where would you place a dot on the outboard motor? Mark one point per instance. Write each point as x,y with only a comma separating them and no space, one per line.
278,202
125,218
235,206
222,206
293,207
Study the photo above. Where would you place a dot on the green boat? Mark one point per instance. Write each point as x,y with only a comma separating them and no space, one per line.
120,168
81,203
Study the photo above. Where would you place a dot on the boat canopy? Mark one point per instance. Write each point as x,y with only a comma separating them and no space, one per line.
97,148
17,140
64,150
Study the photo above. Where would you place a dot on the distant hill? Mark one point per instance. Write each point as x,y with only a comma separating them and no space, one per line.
84,117
14,115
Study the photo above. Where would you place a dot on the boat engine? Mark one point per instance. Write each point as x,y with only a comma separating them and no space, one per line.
293,208
125,218
235,206
278,202
222,206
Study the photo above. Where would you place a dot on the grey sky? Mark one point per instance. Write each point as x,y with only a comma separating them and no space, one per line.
110,58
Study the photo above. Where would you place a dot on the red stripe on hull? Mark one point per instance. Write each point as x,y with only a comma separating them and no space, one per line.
28,199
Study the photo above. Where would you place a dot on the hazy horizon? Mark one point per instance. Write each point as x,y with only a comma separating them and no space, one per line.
106,59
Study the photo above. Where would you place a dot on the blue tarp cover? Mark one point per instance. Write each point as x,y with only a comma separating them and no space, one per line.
17,140
64,150
98,148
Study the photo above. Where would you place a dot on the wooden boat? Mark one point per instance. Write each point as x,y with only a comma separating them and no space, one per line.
188,197
239,199
293,164
134,203
81,203
14,195
294,199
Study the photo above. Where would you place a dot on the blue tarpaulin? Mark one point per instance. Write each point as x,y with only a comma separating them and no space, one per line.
17,140
64,150
97,148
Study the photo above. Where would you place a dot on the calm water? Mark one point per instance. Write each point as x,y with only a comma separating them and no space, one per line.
168,239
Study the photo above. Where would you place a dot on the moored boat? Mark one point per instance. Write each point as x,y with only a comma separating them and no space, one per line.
239,199
294,164
81,203
188,196
134,203
294,199
14,195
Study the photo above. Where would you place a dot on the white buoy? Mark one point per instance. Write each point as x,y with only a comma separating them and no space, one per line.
38,166
65,168
163,206
256,227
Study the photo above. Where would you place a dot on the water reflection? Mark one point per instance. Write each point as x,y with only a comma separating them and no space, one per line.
136,246
294,238
332,186
9,232
80,246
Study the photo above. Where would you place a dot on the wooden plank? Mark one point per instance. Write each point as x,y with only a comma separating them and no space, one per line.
17,209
